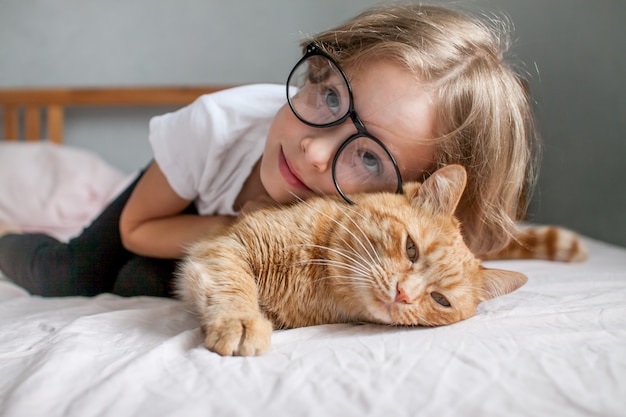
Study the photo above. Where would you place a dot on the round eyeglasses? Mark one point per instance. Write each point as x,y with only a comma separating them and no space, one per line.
322,97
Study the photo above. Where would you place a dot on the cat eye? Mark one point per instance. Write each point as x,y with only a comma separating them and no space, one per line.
411,250
440,299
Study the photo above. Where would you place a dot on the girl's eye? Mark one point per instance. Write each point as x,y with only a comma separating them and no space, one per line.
332,100
440,299
370,161
411,250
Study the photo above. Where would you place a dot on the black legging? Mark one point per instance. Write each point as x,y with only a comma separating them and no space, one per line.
92,263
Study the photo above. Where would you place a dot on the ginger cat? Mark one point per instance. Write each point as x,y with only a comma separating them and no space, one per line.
396,259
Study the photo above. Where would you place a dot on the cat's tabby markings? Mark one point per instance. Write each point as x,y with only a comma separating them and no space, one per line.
390,259
544,242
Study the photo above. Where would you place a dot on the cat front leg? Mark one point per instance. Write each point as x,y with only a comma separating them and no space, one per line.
223,292
242,334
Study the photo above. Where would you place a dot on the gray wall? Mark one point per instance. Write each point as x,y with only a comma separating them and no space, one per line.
574,51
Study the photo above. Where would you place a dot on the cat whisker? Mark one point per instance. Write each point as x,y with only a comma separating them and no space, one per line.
361,257
355,269
351,278
364,235
360,241
346,280
344,227
364,267
365,264
336,264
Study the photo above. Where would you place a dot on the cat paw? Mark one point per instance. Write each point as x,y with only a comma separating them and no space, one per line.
245,335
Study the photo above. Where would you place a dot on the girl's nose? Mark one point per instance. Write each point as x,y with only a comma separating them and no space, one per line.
320,145
319,152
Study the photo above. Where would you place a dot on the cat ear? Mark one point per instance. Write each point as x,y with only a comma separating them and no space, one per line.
411,189
497,282
443,189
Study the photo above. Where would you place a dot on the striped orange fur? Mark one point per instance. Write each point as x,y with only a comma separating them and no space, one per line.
389,259
543,242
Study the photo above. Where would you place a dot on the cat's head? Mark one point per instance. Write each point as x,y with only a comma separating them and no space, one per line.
409,262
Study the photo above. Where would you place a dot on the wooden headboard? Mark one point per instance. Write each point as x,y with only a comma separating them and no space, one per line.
26,110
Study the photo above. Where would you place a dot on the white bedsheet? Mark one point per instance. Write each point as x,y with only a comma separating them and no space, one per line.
556,347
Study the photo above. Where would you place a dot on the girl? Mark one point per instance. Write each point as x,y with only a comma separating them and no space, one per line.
388,97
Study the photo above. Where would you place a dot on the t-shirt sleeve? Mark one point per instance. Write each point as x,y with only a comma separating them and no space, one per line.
186,143
203,145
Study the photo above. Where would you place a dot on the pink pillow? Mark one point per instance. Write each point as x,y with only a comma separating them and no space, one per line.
54,189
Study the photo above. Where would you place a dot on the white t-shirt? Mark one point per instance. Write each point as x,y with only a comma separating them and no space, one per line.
207,150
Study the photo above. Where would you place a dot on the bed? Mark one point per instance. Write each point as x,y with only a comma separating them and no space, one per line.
555,347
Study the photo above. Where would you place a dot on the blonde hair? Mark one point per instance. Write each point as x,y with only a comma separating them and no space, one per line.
484,119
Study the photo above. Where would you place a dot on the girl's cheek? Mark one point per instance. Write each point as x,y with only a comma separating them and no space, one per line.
285,120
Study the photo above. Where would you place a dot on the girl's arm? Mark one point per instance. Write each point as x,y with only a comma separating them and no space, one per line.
151,223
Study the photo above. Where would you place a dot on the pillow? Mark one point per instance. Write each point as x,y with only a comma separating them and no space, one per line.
54,189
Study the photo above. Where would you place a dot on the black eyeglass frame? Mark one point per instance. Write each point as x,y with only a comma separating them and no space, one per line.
313,50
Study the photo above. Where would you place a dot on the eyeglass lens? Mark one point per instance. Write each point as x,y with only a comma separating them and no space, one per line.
363,165
322,99
321,96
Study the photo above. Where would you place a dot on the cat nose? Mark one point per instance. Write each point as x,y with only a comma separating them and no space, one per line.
402,296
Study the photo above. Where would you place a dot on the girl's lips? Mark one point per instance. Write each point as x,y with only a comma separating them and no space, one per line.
288,175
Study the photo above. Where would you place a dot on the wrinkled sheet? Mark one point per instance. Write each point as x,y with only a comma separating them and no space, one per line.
556,347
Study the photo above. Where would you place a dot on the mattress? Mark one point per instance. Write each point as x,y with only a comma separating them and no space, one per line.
556,347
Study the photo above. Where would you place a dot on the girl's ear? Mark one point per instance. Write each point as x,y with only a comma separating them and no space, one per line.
497,282
441,191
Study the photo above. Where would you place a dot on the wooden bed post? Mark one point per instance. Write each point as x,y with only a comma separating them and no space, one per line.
11,122
55,123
